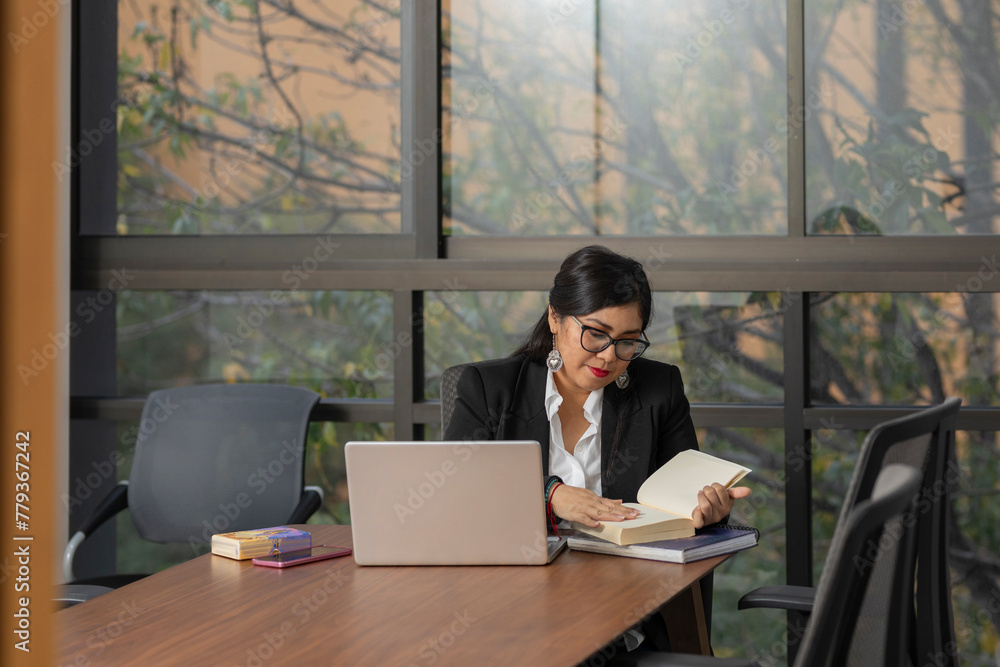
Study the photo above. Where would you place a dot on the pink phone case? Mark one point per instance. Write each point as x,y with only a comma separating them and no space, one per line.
302,556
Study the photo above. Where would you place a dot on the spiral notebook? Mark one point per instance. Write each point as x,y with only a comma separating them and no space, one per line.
706,543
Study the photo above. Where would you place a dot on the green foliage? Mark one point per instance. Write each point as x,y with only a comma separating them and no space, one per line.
243,153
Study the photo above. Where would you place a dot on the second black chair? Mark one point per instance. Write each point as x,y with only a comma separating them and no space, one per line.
924,439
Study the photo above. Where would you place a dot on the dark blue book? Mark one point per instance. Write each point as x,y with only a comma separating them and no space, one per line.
706,543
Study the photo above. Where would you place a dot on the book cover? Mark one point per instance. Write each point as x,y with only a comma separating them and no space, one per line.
667,499
245,544
708,542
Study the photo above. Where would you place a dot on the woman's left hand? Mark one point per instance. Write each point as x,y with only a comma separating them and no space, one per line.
715,502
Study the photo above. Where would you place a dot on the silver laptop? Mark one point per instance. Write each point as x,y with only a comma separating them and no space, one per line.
448,503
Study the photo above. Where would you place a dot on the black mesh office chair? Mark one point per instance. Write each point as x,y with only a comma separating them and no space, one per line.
924,439
860,615
210,459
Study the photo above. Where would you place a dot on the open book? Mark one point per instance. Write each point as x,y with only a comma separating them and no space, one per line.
667,499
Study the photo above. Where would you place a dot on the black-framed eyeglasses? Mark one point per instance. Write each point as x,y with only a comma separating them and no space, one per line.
595,340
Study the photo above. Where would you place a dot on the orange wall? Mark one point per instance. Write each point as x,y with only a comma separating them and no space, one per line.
33,298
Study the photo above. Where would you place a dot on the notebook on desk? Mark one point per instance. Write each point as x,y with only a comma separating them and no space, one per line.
448,503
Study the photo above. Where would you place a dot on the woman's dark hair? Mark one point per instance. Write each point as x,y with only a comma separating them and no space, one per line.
590,279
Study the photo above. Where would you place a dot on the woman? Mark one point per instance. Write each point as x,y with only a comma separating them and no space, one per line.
606,418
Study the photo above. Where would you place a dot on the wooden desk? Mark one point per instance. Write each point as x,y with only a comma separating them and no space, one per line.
214,611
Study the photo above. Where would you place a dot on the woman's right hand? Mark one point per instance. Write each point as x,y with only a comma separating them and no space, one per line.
583,505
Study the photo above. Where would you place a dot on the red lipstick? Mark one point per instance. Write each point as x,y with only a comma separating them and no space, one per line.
598,372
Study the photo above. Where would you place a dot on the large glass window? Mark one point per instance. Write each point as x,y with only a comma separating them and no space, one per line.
258,118
627,118
905,137
906,349
744,634
335,343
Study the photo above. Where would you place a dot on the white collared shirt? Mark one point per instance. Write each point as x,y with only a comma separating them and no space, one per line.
582,468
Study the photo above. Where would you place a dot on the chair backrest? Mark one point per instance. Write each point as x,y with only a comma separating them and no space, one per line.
924,439
218,458
860,616
449,392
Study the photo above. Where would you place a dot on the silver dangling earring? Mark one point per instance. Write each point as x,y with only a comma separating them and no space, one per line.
622,380
554,360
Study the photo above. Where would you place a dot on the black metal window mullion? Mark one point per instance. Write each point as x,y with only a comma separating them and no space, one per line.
798,439
407,350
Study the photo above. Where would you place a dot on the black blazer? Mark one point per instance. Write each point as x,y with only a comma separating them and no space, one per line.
504,399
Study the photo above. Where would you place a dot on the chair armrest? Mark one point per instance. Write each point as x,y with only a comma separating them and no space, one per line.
113,503
794,598
311,500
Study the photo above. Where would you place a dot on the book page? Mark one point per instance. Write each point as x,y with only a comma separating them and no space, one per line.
675,486
650,520
648,516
